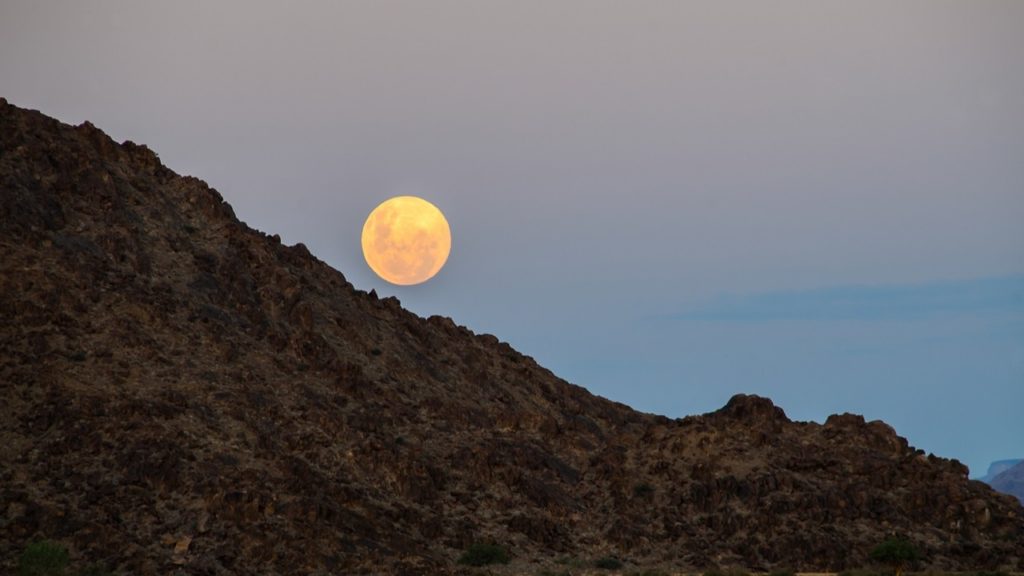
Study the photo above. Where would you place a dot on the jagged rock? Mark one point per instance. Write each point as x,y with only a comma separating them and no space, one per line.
183,394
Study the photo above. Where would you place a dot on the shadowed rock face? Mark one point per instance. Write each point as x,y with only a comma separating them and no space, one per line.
1011,481
181,392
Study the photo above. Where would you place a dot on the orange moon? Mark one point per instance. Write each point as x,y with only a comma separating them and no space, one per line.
406,240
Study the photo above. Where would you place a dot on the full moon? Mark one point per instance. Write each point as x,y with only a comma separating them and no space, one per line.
406,240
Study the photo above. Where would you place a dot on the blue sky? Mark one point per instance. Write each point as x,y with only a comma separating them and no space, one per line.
666,202
935,359
998,298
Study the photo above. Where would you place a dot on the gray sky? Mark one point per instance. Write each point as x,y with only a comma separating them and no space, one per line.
666,202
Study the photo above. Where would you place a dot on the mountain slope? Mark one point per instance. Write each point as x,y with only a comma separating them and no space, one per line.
183,392
998,467
1011,481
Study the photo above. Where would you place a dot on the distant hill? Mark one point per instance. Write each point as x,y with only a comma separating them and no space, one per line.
1011,481
999,466
182,394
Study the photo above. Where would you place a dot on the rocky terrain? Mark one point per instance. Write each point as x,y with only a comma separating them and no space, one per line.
1010,481
184,394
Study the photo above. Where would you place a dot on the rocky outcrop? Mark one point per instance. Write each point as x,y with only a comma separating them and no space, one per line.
183,394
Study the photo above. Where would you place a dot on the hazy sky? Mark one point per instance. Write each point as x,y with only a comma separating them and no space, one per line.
666,202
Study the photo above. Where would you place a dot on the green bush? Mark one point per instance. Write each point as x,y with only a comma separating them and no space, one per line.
43,559
898,553
643,490
95,570
730,572
482,554
782,572
859,572
570,562
608,563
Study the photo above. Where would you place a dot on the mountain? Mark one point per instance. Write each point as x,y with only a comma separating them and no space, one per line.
1011,481
182,393
997,467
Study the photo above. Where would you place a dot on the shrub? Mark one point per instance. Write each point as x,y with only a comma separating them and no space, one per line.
782,572
95,570
898,553
43,559
608,563
570,562
643,490
730,572
859,572
482,554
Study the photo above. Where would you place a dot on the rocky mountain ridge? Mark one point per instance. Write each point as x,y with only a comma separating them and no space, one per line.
183,394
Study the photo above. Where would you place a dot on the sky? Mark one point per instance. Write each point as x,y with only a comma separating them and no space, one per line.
667,202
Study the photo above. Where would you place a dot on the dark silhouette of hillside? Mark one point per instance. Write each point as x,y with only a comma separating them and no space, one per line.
183,393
